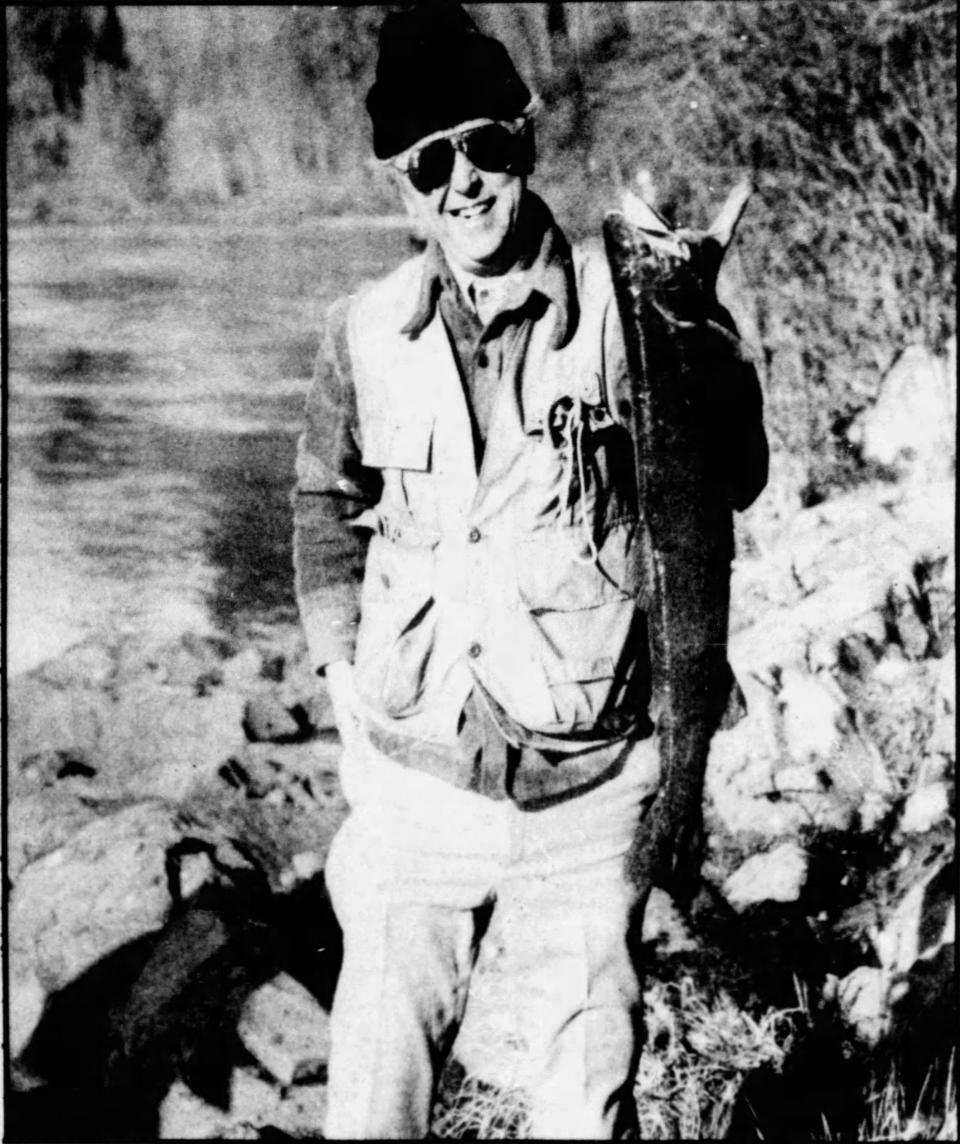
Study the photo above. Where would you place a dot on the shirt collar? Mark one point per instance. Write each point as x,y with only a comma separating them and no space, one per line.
547,269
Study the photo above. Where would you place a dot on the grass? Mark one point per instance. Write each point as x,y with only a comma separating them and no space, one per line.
892,1116
701,1048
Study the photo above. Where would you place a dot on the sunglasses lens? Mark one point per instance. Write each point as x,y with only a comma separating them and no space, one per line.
431,166
491,148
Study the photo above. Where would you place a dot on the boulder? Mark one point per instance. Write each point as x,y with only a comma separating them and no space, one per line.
88,664
46,718
910,428
817,585
897,712
112,882
284,1028
775,876
106,886
267,720
42,821
863,1001
162,739
242,671
796,760
919,915
925,808
257,1110
663,924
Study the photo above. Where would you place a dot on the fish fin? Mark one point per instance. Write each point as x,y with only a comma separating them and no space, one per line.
641,215
728,218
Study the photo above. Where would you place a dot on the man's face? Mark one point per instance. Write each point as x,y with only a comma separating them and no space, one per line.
473,216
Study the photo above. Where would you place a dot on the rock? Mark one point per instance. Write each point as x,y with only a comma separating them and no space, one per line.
242,670
945,681
266,720
799,779
925,808
897,711
185,1116
50,767
811,715
796,760
191,660
257,1110
920,910
163,739
274,667
283,1026
303,866
663,924
826,589
87,664
739,785
27,1000
43,718
902,616
863,1001
775,876
319,709
106,886
41,822
910,427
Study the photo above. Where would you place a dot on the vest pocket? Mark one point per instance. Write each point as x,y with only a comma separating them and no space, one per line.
402,451
557,573
581,612
397,635
403,444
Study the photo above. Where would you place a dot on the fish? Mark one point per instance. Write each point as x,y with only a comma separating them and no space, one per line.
664,282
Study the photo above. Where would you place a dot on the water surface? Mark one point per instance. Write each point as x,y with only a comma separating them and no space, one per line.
156,383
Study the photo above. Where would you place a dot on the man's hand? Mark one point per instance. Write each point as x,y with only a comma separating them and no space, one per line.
346,702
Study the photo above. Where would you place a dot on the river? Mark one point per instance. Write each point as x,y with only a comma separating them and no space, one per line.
156,380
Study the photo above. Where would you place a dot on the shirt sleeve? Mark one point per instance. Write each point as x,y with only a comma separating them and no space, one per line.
333,488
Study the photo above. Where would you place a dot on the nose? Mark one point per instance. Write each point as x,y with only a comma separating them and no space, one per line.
464,178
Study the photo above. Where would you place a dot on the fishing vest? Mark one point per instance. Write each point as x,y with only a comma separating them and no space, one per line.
519,579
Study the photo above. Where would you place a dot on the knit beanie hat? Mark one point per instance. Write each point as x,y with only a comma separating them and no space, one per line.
435,70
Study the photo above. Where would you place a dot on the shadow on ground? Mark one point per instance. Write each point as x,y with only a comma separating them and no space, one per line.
111,1043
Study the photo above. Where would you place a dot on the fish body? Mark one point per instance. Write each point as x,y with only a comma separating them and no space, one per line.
664,282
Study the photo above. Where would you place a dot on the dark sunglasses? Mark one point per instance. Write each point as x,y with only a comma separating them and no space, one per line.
493,147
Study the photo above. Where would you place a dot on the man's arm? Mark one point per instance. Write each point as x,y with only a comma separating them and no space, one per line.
333,488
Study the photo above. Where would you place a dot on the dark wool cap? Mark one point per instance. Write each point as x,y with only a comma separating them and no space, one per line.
436,70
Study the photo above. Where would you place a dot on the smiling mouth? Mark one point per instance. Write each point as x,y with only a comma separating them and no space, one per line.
474,210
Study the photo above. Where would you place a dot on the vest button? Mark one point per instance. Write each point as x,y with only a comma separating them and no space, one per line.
473,535
474,650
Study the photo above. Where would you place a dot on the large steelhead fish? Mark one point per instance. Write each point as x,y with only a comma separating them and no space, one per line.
676,342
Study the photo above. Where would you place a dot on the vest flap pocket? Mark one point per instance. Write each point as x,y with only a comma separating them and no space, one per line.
557,574
581,670
391,445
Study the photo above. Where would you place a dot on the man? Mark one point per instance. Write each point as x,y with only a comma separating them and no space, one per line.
466,446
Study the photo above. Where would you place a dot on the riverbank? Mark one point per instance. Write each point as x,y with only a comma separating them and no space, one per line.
172,800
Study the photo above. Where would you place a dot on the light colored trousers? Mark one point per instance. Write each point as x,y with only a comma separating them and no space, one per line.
410,870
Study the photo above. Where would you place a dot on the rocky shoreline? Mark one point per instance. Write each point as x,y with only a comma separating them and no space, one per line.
172,950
